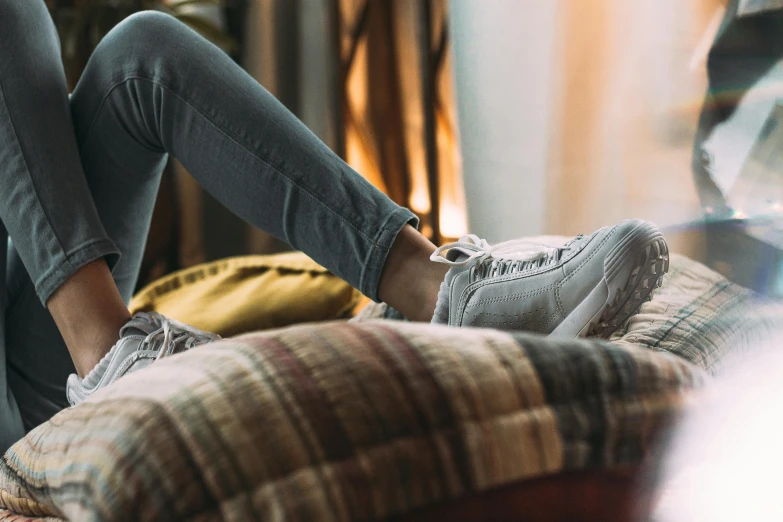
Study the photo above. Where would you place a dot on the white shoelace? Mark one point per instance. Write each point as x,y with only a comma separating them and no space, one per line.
514,250
173,334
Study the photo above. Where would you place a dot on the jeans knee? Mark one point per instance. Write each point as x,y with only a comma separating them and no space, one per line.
148,26
16,14
143,38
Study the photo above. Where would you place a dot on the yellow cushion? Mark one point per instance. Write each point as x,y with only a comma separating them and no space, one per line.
242,294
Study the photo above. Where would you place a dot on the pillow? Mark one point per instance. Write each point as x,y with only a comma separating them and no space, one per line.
242,294
706,319
350,421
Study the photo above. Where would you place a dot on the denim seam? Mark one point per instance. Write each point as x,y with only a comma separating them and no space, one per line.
29,176
304,189
79,256
381,246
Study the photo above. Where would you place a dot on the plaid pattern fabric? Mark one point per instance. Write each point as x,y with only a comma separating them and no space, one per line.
8,516
705,319
343,421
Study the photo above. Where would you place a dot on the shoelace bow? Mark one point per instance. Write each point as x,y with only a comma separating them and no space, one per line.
173,335
520,250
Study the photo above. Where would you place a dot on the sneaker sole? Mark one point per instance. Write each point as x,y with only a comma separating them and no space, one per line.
609,305
639,288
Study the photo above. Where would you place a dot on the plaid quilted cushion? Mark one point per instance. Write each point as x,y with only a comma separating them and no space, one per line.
343,421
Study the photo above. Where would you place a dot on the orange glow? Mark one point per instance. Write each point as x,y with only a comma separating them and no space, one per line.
362,162
420,198
358,151
453,221
453,214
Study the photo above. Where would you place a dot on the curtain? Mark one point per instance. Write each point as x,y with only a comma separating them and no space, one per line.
397,117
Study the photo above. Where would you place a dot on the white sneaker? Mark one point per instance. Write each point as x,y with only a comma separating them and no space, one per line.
589,286
143,340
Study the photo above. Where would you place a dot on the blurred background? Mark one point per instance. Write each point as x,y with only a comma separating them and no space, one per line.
505,117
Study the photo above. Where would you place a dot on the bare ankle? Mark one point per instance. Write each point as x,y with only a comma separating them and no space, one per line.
93,343
410,281
89,313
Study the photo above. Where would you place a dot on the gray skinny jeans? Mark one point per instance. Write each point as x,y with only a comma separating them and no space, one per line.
79,176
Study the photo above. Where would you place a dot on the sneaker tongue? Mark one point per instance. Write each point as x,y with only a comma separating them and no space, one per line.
139,325
457,254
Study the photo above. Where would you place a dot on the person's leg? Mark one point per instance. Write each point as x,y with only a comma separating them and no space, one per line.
44,201
122,170
164,89
154,87
161,88
46,205
115,115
